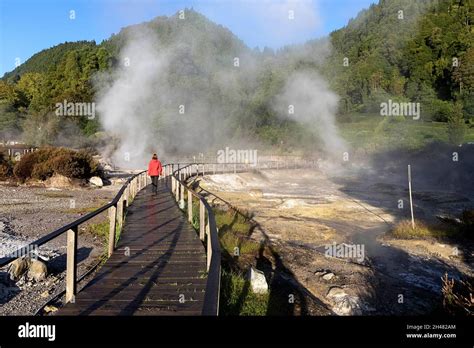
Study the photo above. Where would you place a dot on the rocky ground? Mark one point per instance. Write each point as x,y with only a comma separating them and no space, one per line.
303,212
28,212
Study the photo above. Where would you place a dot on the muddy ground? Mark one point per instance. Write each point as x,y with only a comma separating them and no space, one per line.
30,212
303,211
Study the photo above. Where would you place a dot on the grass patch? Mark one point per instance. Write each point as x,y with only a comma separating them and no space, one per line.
234,221
234,232
234,229
230,241
100,230
237,297
372,132
404,230
81,210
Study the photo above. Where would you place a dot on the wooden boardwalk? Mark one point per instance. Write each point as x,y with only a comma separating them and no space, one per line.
158,268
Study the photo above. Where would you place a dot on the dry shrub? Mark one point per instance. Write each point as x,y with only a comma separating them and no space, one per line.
48,161
6,167
458,297
404,230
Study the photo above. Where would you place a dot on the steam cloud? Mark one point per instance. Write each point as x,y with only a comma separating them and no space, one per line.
314,105
126,105
157,101
140,101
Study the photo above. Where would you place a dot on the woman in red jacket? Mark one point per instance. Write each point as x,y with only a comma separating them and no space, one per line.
154,171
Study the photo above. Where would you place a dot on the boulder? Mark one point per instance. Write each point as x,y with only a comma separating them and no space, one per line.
348,305
17,268
328,276
336,292
96,181
344,304
38,270
258,282
34,269
61,181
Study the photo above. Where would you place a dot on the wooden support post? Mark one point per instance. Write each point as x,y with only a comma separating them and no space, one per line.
202,220
209,245
120,213
190,206
112,224
127,195
173,184
411,200
71,267
177,191
182,197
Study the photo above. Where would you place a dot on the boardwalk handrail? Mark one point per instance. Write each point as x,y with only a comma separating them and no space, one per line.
207,230
116,215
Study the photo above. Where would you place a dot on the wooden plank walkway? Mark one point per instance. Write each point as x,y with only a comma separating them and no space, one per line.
164,272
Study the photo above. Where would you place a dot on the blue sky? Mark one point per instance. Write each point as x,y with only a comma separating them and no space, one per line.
28,26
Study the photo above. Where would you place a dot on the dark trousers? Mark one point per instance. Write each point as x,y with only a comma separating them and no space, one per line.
154,183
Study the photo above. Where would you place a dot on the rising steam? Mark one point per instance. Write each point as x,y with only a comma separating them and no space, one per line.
307,99
166,98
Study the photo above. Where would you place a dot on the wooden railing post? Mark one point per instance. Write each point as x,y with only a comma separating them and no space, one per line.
120,213
182,197
177,184
71,267
112,224
209,245
202,220
190,206
173,184
127,195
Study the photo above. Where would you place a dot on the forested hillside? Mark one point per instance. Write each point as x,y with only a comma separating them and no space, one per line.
422,54
419,51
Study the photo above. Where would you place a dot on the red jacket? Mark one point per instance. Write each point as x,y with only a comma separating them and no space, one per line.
154,168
